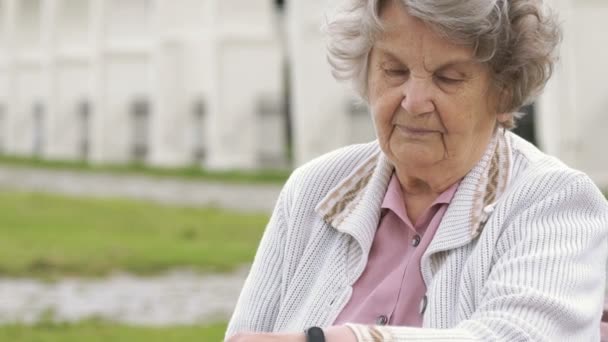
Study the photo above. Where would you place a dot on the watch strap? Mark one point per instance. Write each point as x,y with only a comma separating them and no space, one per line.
315,334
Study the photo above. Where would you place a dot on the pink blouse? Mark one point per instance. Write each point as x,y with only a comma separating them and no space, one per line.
391,289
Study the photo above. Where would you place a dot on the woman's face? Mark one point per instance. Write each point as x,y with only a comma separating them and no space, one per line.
432,104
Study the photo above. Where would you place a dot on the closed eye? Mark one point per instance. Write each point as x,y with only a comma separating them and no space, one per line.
448,80
395,72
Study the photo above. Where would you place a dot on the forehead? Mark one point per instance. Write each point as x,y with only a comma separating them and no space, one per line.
405,36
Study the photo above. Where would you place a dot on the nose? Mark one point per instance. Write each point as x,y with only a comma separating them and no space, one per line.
417,97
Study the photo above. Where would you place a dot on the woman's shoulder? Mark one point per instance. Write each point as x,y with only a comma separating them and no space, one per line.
313,180
528,162
536,176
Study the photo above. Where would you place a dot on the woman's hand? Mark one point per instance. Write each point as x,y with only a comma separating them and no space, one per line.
267,337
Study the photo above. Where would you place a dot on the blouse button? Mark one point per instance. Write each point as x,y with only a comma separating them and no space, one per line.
416,240
381,320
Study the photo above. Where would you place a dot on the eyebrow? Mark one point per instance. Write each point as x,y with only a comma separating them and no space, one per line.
444,65
455,62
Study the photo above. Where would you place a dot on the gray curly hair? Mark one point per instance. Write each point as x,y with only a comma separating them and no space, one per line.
516,38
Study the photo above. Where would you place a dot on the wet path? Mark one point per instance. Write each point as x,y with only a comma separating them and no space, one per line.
179,297
241,197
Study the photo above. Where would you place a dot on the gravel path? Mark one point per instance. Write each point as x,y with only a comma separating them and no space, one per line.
242,197
179,297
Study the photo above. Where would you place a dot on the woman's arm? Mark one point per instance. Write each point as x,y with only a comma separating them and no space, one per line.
258,303
332,334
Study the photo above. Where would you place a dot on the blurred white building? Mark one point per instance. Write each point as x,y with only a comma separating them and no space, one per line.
163,82
573,111
232,84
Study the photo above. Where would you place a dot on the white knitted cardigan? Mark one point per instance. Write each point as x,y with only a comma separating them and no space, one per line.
519,255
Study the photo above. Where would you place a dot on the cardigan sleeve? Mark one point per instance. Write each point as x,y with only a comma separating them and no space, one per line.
547,281
258,303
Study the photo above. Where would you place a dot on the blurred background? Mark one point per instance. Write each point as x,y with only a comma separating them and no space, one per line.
143,144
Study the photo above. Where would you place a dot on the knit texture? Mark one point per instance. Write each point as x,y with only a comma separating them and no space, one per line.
530,265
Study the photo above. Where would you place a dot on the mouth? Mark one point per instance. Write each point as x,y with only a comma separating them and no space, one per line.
415,131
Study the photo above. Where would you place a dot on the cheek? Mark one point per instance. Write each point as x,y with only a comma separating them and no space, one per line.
466,123
383,110
463,116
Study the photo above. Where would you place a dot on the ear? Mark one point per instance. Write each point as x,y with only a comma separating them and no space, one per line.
504,117
503,99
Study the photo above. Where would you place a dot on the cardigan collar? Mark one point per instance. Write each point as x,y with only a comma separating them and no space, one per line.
354,205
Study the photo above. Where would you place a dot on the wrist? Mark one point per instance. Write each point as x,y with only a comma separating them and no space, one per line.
340,333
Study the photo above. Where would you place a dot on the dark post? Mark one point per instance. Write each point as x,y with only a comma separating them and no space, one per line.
84,119
140,117
38,129
198,134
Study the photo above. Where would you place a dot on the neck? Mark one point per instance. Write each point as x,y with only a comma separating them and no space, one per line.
428,182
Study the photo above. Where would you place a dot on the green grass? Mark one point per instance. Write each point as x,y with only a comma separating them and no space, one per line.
92,331
192,172
51,236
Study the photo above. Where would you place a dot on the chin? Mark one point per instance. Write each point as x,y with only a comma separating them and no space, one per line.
415,156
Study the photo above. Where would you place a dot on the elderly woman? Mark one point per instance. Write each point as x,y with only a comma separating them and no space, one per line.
448,227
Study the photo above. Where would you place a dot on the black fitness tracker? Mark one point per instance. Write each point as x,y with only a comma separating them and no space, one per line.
315,334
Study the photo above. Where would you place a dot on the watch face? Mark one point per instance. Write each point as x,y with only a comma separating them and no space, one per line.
315,334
